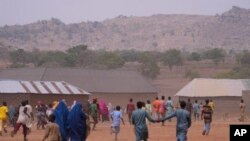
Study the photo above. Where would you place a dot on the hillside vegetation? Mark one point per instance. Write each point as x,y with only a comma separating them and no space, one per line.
230,31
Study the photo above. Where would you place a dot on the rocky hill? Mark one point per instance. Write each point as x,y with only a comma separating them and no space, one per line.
230,30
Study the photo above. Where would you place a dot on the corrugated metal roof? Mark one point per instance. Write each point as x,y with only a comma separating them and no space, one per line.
203,87
39,87
103,81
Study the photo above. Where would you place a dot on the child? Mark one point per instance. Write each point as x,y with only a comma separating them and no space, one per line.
52,130
116,117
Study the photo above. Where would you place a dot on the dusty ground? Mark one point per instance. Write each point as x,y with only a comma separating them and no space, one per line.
219,132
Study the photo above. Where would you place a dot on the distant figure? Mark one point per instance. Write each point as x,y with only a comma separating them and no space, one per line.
77,125
49,110
110,108
242,110
23,120
196,108
201,108
103,111
148,107
12,112
52,131
206,114
169,105
41,115
183,121
94,113
189,106
3,118
61,113
30,113
211,104
156,106
139,120
130,109
116,117
162,109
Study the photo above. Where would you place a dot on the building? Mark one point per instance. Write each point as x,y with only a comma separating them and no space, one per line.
226,93
115,86
13,92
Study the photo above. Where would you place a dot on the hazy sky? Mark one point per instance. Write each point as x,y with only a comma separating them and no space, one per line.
72,11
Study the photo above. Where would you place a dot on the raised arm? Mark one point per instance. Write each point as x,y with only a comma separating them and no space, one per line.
169,116
149,117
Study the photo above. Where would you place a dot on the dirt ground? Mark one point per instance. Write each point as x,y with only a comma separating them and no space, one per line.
219,132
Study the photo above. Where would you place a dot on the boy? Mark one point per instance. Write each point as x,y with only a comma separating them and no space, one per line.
116,117
52,130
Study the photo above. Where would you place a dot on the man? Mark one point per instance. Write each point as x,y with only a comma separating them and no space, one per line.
189,106
30,113
169,105
139,120
196,107
94,112
3,117
211,104
183,121
156,106
206,114
23,120
162,109
130,109
242,110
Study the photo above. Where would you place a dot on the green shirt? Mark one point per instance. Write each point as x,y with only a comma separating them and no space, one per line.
93,110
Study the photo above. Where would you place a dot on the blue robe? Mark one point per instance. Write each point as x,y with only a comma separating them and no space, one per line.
77,123
61,113
183,123
139,120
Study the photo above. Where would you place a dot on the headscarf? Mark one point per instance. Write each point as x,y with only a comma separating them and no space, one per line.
61,113
55,104
77,123
74,103
103,107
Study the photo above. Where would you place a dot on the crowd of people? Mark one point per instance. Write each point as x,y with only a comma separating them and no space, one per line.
62,121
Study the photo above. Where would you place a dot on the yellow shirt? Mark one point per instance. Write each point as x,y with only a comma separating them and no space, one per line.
3,112
212,105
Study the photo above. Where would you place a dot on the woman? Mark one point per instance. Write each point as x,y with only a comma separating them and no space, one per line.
61,113
104,110
77,123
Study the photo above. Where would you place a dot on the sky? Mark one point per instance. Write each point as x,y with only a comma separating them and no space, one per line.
74,11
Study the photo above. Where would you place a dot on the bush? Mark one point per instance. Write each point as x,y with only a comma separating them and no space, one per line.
192,74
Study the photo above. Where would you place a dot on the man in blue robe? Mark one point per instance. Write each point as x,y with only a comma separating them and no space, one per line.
139,120
183,121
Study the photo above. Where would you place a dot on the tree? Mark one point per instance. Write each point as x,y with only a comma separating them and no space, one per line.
243,58
73,55
194,56
191,74
109,60
172,58
149,66
150,69
216,55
